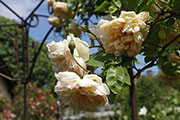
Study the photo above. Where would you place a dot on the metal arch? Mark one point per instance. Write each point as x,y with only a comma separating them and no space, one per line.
25,27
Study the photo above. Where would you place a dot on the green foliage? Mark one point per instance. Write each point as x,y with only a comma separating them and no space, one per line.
43,72
116,78
98,60
117,3
103,7
171,68
162,103
72,4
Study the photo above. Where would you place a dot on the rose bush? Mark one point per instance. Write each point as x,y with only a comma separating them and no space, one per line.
127,28
41,104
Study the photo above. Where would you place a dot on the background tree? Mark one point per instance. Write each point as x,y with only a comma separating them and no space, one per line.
11,52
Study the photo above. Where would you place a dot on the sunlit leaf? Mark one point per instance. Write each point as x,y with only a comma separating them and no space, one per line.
117,3
116,78
103,7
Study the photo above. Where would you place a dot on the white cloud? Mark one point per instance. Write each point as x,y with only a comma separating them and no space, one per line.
22,7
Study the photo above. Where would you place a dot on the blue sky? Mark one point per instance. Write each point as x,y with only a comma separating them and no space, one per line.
24,7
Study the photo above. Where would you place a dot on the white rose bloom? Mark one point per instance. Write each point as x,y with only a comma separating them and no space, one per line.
51,2
143,111
122,35
88,93
61,58
60,10
55,21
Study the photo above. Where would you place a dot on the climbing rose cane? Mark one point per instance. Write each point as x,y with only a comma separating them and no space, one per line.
87,94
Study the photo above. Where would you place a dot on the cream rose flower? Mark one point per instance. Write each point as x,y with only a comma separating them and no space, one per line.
122,35
61,10
51,2
88,93
61,58
74,29
55,21
174,58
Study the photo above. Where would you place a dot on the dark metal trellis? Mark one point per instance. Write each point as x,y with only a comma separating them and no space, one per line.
25,26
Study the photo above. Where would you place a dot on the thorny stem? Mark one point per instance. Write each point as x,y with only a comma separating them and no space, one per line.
38,52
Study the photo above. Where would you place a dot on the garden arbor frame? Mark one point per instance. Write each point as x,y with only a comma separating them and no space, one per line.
25,25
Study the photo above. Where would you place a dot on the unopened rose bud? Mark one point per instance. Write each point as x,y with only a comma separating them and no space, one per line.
71,46
162,34
74,29
50,2
61,10
174,58
55,21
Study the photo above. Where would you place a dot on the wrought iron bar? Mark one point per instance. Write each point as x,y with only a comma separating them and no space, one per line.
24,71
39,15
12,10
7,25
9,78
34,10
17,50
25,101
36,55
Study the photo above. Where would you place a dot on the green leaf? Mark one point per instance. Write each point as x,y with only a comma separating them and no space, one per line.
176,5
160,61
116,78
169,28
103,7
112,9
145,5
170,22
165,1
133,5
141,5
170,68
150,49
72,4
98,60
126,61
117,3
124,4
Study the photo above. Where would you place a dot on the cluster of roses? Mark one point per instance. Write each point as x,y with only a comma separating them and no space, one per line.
122,35
80,90
60,12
